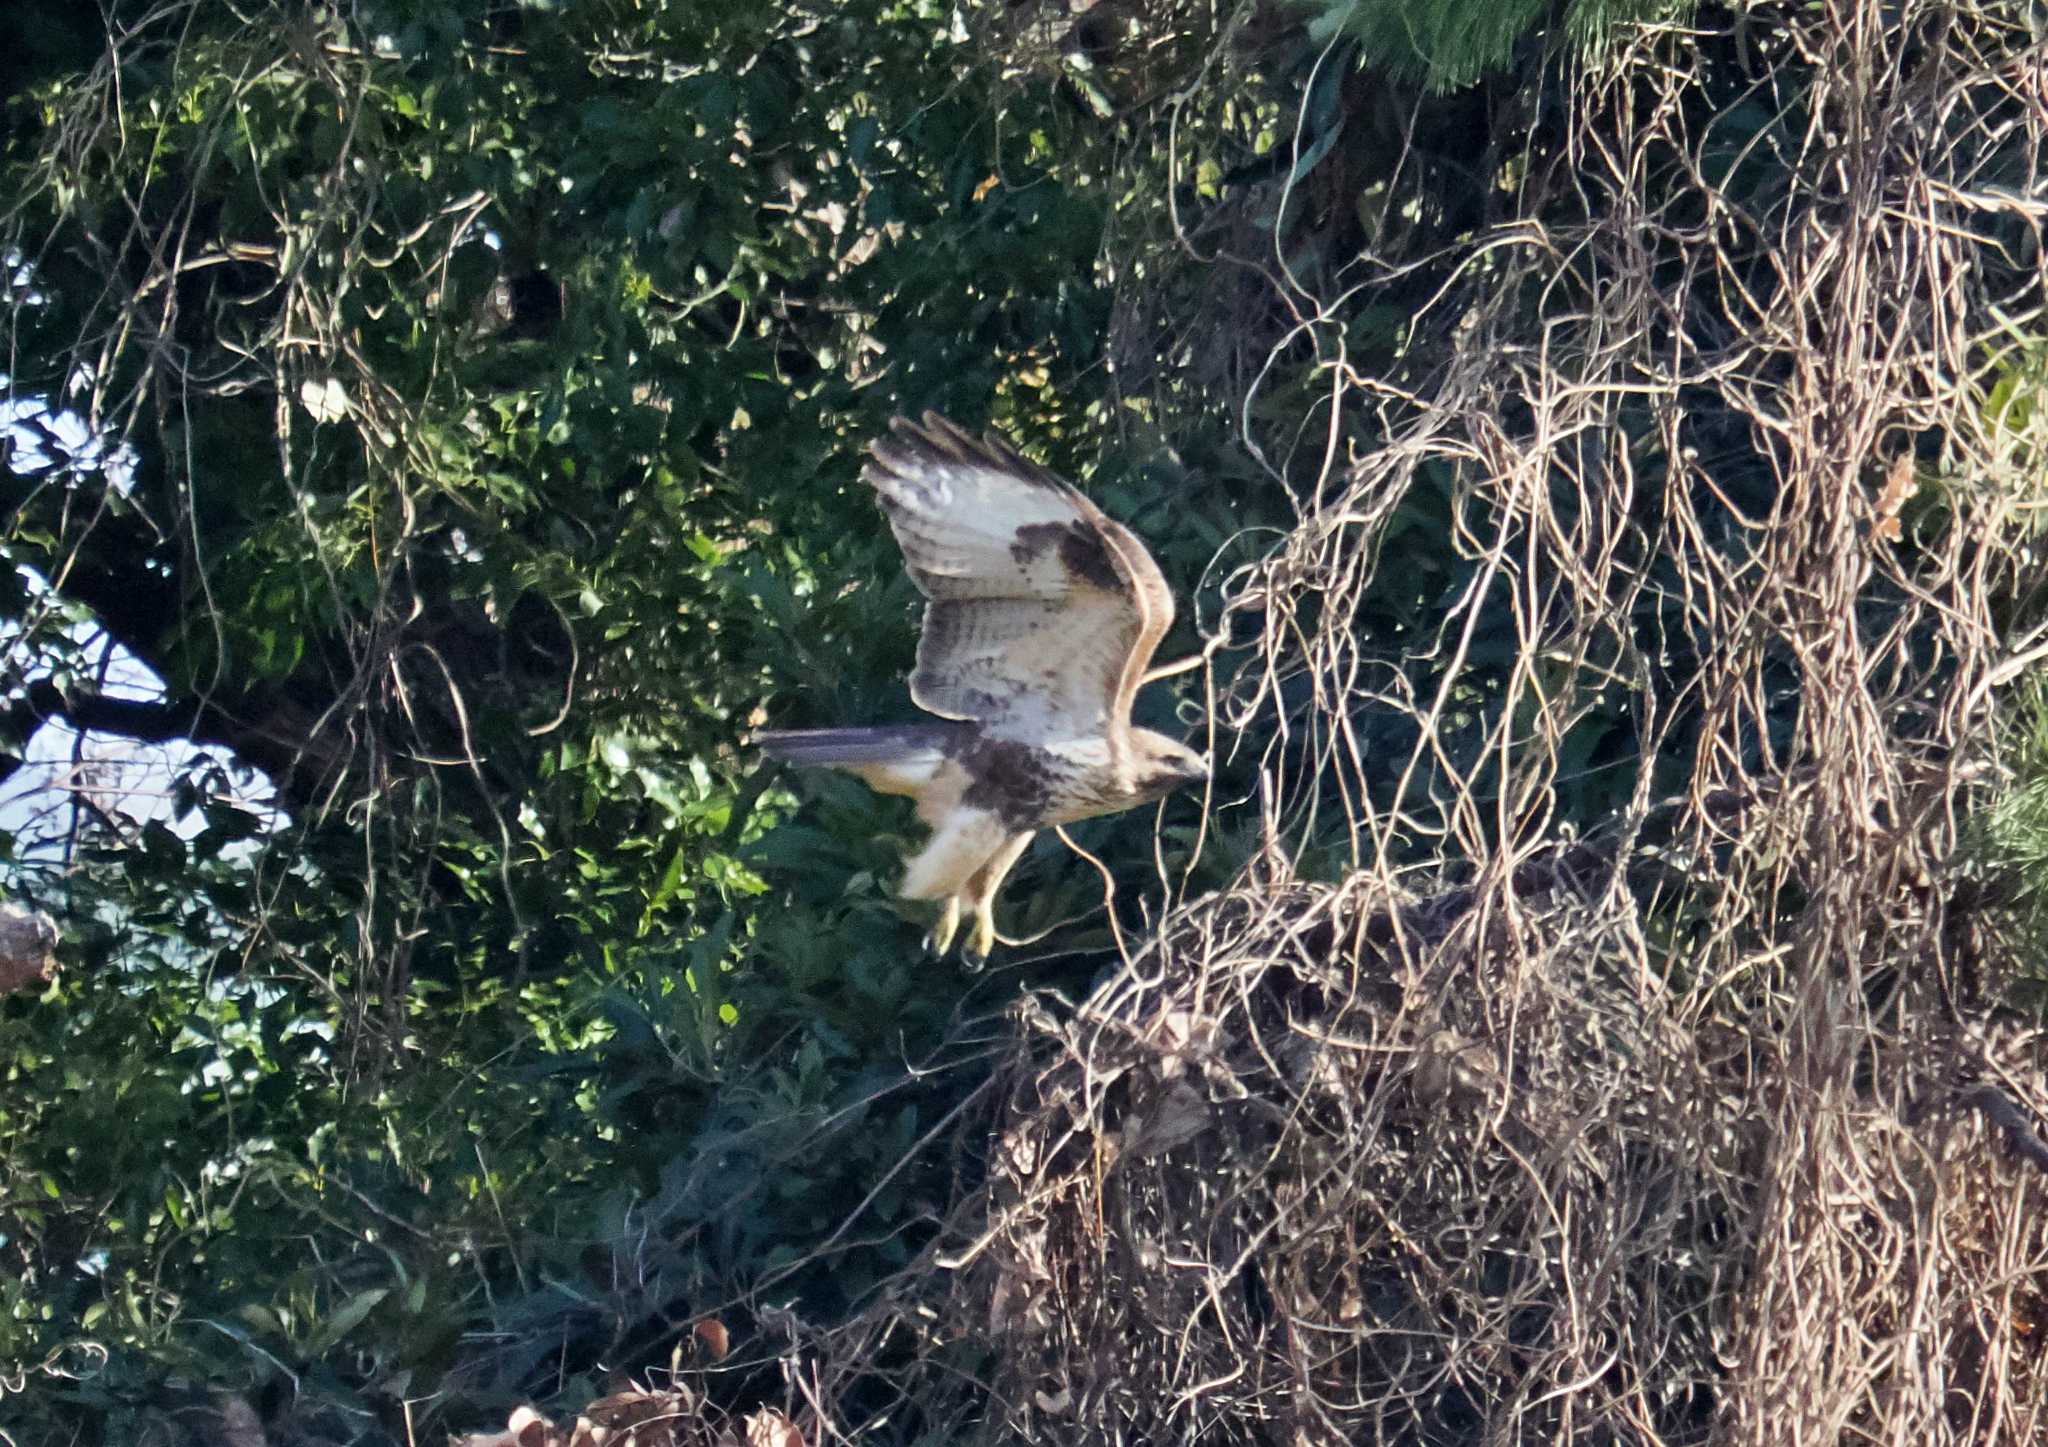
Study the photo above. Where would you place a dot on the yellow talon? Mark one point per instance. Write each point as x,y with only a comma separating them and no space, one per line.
941,937
982,940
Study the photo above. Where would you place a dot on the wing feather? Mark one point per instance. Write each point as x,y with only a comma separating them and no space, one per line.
1044,614
1153,601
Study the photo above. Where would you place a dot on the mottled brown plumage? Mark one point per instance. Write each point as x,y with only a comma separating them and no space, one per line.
1043,616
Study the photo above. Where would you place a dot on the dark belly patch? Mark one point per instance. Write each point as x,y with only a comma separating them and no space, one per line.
1008,779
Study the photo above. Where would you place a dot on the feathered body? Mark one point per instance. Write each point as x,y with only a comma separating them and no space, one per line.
1043,615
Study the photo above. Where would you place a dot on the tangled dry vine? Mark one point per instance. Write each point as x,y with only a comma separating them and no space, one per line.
1710,1123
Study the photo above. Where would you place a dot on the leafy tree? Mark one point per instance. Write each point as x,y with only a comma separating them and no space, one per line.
489,386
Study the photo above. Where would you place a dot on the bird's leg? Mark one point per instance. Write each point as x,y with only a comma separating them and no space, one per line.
982,890
940,938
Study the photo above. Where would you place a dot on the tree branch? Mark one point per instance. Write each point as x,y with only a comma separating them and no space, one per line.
130,718
276,736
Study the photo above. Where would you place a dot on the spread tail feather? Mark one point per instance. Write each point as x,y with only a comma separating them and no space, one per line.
885,744
890,759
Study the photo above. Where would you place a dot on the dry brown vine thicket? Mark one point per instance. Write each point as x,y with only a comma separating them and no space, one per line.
1705,1125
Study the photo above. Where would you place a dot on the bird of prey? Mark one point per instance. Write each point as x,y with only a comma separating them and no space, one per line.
1041,620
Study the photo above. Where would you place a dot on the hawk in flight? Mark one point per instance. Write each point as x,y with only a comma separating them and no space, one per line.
1042,619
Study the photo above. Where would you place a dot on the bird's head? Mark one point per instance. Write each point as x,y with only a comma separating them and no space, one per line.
1160,765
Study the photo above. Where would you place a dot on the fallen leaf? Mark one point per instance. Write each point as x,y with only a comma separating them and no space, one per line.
1898,487
769,1428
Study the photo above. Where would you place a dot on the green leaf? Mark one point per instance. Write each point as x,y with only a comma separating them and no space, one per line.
343,1320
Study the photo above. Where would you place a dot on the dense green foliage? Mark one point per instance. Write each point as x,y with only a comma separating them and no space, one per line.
495,378
496,402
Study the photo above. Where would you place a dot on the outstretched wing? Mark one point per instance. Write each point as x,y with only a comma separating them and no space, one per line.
1044,613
